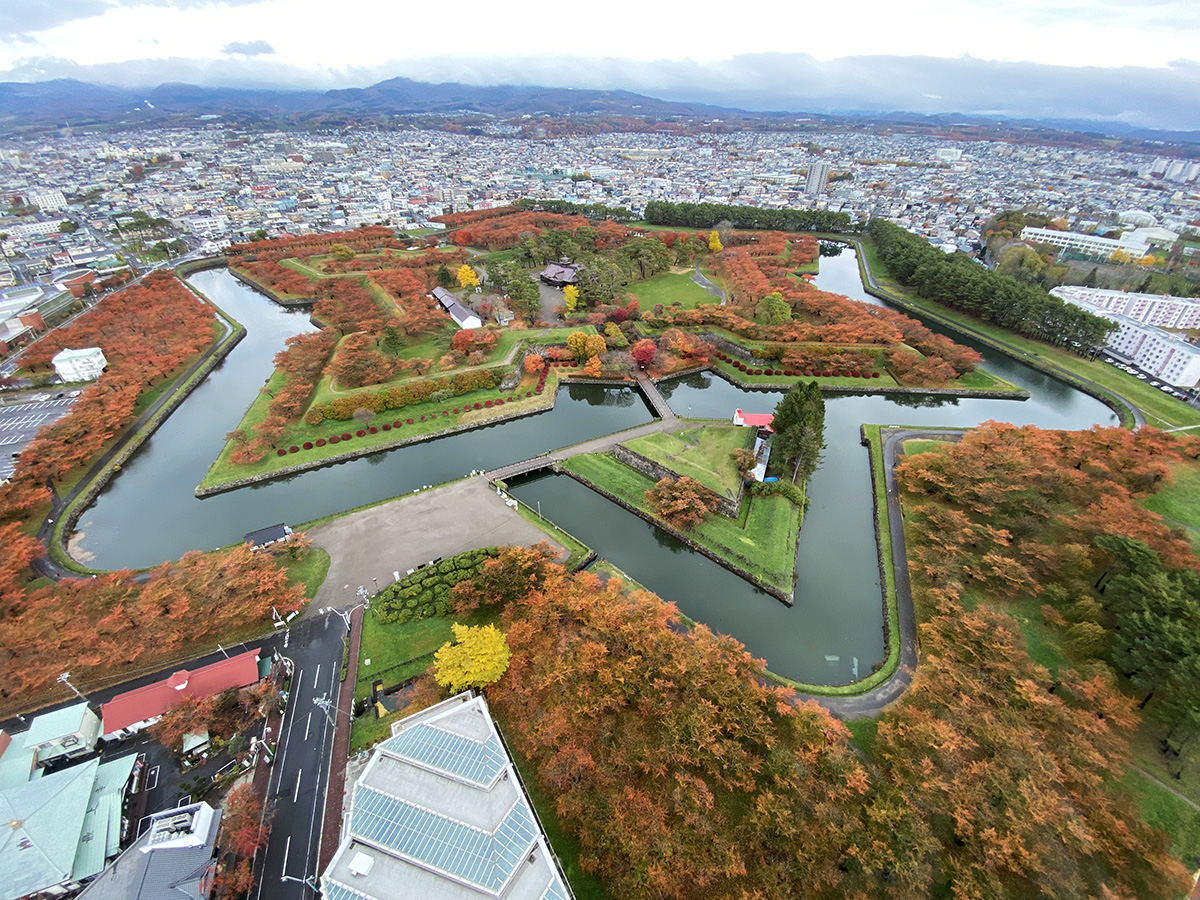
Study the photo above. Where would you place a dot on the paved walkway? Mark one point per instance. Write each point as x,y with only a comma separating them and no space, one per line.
699,278
367,548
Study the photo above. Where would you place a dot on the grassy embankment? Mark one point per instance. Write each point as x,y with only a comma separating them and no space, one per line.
702,453
762,541
1161,410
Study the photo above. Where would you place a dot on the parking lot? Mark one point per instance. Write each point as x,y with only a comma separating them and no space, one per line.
19,424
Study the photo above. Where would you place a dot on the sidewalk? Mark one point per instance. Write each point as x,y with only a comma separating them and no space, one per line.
335,789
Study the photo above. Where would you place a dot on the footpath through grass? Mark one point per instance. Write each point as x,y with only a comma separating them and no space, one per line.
762,541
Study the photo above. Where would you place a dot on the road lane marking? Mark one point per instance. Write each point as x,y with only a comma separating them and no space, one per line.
286,849
316,675
152,774
296,795
307,723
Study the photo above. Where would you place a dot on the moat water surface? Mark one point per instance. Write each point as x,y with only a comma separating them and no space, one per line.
832,634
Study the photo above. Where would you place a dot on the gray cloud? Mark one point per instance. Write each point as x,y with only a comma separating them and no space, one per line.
20,19
249,48
1167,97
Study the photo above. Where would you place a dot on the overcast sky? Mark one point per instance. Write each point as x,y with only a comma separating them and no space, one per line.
1035,57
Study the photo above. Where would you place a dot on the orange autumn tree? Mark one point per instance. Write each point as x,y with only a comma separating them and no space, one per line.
682,502
683,772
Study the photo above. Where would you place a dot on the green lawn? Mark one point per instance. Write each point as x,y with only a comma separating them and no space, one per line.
737,376
670,289
913,447
1164,810
308,571
762,541
701,453
1181,499
577,550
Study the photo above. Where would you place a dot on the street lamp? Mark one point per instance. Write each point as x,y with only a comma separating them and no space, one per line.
65,679
307,881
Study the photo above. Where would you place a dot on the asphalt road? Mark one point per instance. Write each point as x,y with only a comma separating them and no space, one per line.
300,776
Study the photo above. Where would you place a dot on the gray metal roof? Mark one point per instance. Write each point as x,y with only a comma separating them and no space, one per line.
167,872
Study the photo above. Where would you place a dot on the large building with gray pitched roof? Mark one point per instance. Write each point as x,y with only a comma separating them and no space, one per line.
439,813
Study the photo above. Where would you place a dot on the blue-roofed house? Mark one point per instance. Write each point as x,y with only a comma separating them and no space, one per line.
439,812
61,829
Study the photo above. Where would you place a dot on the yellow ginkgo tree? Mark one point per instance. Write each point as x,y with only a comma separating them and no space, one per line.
467,276
478,657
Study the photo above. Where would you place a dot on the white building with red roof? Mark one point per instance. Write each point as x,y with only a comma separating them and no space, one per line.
132,711
754,420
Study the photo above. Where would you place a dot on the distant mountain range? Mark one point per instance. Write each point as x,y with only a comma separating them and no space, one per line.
40,106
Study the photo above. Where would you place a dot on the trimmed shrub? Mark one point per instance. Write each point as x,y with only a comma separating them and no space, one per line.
529,393
307,445
293,449
479,406
346,435
335,439
360,433
874,374
397,424
409,421
386,427
372,430
456,410
281,452
320,442
487,403
445,413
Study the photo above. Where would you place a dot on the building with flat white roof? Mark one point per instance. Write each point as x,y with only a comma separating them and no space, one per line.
439,813
79,365
1162,310
1085,244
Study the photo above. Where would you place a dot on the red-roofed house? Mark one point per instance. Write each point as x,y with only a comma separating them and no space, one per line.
129,713
754,420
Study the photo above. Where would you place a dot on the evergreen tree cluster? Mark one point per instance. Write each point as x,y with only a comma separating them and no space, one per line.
959,282
707,215
800,429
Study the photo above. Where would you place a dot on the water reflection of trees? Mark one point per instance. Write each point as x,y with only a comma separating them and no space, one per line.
831,248
594,395
922,401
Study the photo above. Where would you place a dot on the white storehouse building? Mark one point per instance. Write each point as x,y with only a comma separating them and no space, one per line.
79,365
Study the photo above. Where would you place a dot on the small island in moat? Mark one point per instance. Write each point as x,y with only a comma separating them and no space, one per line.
419,338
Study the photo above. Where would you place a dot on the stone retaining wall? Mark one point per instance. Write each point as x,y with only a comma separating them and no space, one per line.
775,592
270,294
726,506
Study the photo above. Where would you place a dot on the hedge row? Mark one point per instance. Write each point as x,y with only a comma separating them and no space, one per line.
797,373
396,425
426,592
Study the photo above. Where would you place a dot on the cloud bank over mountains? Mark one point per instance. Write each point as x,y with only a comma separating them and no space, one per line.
1165,97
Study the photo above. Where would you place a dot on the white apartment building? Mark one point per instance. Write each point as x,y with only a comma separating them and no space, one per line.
1151,349
1085,244
1149,309
29,229
48,200
818,177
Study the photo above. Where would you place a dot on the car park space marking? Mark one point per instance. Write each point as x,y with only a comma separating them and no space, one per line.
152,776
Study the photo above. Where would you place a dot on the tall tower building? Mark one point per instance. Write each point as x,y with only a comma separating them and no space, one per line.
818,177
